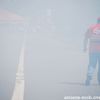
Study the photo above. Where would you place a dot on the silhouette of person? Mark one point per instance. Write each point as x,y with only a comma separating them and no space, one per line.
92,38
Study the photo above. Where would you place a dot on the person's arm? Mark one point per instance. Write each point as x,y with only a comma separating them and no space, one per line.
87,35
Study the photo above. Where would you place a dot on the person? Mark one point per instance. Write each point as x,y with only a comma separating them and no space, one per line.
92,39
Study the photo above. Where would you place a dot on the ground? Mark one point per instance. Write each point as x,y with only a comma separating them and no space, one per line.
53,69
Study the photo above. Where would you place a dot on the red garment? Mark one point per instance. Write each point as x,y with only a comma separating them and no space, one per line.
94,36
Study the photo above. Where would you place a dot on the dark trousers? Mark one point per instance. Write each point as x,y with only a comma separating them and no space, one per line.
94,58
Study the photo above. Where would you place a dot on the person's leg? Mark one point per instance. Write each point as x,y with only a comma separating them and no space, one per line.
98,68
91,67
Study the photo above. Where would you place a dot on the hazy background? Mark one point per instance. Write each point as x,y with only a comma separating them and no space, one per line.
55,65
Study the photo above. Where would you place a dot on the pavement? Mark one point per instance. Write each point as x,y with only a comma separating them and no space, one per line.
52,68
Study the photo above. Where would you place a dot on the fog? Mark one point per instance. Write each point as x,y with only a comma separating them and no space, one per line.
55,65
